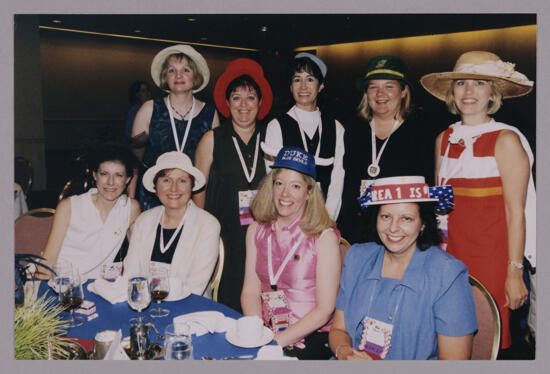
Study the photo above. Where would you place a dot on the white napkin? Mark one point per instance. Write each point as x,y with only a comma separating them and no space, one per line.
201,323
272,352
177,291
113,292
116,351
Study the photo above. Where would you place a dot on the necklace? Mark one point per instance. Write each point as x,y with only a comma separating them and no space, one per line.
178,113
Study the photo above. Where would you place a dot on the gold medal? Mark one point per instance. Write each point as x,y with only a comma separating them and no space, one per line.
373,170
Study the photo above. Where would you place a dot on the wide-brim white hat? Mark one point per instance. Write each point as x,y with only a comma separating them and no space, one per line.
200,62
479,65
173,160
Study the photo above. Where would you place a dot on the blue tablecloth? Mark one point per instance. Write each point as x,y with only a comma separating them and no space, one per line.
117,316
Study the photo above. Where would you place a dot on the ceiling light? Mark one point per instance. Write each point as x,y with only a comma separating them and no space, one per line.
137,31
204,38
191,19
264,28
56,21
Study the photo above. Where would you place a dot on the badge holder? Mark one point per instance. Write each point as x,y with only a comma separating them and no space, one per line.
277,311
245,199
376,338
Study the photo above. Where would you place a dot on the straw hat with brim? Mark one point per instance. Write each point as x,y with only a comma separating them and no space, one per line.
479,65
200,62
236,68
383,67
173,160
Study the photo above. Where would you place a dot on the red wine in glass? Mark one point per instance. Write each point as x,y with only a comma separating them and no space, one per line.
159,295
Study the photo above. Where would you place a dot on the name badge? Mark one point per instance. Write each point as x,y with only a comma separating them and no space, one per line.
276,310
245,199
111,271
376,338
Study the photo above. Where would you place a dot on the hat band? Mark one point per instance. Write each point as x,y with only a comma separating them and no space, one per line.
497,69
385,71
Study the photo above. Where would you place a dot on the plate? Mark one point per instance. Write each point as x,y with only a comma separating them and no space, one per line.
232,337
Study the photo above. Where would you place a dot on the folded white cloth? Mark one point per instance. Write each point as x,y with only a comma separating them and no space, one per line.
200,323
113,292
116,351
177,291
272,352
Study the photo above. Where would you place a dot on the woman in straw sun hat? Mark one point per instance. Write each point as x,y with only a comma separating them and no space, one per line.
492,226
177,121
231,159
401,297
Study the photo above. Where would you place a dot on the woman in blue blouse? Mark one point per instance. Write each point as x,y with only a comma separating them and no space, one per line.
401,297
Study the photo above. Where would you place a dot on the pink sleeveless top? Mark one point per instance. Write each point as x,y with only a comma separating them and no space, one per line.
297,280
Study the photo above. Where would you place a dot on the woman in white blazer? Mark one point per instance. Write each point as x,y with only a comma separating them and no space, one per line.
177,235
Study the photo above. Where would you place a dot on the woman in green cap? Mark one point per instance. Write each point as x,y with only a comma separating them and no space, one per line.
385,140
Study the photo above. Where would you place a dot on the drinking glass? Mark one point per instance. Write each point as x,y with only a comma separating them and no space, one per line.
139,297
160,287
70,293
177,342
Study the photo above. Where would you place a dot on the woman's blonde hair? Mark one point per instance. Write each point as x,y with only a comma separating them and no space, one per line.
495,101
197,76
315,219
365,111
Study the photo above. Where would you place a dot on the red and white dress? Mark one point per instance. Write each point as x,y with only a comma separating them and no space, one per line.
478,233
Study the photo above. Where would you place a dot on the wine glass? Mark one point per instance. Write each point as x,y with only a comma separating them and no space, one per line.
139,297
71,293
160,287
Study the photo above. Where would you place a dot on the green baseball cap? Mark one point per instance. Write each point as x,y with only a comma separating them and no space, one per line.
384,67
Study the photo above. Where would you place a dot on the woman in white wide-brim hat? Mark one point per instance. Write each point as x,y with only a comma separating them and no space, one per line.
488,163
177,235
177,121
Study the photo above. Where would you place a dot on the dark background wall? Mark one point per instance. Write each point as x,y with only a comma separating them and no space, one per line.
83,80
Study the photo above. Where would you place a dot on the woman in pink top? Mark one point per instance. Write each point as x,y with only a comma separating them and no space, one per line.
293,260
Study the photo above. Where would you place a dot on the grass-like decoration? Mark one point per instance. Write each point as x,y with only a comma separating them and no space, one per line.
38,330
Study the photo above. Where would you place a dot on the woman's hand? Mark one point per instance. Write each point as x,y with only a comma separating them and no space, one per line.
349,353
514,288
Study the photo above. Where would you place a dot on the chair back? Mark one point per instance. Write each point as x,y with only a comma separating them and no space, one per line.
344,246
32,231
217,276
23,174
487,338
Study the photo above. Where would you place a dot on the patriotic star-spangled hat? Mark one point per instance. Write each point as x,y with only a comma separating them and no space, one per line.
406,189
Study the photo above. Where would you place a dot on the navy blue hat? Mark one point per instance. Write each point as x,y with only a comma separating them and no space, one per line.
295,159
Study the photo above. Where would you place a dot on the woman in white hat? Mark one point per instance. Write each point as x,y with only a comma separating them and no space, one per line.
306,127
488,163
386,138
177,121
177,235
401,297
292,257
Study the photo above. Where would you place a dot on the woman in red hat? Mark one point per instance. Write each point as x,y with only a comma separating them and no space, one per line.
177,121
231,159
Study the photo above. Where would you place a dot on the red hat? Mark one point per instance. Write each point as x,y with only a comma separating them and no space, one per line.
238,67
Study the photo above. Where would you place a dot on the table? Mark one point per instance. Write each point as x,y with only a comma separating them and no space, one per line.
117,316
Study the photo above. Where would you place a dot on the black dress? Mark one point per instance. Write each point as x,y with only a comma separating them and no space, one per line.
409,151
225,180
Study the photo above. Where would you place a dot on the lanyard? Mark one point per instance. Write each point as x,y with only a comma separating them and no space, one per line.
249,177
319,127
274,278
374,169
164,248
392,317
174,131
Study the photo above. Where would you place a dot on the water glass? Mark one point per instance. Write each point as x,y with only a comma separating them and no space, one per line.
177,343
139,297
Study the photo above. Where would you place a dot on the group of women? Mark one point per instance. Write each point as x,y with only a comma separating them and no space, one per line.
282,195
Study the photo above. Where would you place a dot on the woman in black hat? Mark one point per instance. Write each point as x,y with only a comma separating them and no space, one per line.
385,140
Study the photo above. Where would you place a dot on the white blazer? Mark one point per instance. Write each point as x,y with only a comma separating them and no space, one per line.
196,252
